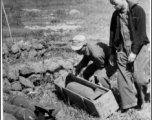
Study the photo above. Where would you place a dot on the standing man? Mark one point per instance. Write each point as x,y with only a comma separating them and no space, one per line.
98,53
128,41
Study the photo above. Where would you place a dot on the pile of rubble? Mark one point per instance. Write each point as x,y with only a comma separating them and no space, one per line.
25,77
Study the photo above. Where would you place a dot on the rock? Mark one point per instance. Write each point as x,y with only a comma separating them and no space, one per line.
61,62
26,82
62,72
56,75
38,46
75,13
65,64
68,65
7,116
13,73
19,66
37,67
53,66
5,95
50,66
71,60
24,54
26,70
35,77
15,48
16,86
27,46
32,54
20,44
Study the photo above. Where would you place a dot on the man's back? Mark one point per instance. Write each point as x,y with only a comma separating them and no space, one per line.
98,53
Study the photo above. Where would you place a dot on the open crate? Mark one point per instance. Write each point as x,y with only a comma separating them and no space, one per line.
102,105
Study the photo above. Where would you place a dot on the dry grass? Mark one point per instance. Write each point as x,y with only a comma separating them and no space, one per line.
69,112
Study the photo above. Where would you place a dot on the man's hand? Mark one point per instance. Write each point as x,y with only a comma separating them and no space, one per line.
111,60
131,57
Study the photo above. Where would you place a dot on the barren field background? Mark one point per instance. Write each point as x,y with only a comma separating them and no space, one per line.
40,49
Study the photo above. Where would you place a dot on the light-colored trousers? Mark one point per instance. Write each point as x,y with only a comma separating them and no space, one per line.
130,78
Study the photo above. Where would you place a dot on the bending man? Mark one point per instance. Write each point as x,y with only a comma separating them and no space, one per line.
98,53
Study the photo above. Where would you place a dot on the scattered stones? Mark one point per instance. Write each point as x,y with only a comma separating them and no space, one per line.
31,73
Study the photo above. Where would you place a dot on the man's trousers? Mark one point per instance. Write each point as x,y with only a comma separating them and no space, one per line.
132,80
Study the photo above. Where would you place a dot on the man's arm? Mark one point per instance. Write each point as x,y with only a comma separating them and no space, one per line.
81,65
111,47
112,27
140,30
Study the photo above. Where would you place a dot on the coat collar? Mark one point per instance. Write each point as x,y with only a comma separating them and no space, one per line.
131,4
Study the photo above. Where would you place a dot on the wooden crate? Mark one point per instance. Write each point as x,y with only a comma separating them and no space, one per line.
103,106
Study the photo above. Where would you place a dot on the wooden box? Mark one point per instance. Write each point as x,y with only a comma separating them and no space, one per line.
103,105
